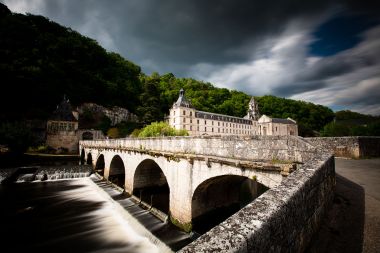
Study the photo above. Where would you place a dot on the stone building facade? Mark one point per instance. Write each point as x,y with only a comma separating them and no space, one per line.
276,126
184,116
62,132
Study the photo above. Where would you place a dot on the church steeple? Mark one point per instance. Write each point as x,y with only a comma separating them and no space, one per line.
253,109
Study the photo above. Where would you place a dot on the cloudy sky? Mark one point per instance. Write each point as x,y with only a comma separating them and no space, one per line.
322,51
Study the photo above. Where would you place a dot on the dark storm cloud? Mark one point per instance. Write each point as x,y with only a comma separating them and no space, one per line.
171,35
181,33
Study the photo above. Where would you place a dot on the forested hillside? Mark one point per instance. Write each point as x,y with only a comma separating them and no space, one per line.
40,61
161,91
347,123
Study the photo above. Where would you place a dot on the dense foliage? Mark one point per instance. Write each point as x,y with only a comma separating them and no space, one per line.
41,60
17,136
161,129
349,123
310,117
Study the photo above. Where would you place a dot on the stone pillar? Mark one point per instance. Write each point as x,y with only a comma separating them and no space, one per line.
107,164
181,194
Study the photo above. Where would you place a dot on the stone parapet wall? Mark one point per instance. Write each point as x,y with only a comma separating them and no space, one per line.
350,146
283,219
268,148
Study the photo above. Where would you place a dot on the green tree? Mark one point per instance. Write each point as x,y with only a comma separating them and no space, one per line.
17,136
335,129
156,129
150,108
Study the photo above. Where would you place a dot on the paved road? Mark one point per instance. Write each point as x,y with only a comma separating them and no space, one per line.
353,222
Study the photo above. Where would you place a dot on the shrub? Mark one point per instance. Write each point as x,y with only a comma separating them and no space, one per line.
161,129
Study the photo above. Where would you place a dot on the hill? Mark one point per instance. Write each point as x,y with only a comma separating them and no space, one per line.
162,91
348,123
41,60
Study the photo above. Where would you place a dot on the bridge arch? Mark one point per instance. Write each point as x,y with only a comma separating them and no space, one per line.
117,171
150,184
100,165
89,159
217,198
82,156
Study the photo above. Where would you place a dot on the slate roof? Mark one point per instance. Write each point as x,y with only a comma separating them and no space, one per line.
221,117
182,100
282,121
63,112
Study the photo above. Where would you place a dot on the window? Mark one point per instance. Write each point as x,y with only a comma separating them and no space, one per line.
212,129
184,120
218,123
212,122
191,113
218,130
184,112
191,128
205,129
198,121
191,121
205,122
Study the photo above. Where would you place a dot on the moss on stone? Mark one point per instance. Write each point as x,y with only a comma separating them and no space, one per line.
187,227
277,161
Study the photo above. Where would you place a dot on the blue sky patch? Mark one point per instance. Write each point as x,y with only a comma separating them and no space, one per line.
338,34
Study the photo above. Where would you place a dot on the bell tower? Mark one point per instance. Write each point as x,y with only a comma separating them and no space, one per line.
253,110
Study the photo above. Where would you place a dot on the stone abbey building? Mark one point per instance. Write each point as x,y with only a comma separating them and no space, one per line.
62,132
184,116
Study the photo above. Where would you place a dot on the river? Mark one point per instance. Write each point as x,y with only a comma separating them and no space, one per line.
86,214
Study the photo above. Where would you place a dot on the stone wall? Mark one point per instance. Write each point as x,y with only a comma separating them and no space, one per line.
350,146
265,148
283,219
63,140
96,134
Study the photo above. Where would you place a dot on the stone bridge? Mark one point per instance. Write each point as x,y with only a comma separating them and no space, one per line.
204,173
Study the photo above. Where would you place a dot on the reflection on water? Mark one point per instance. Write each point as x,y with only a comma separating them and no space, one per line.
65,216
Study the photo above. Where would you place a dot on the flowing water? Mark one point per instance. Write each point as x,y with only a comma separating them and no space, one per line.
43,211
165,231
68,216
